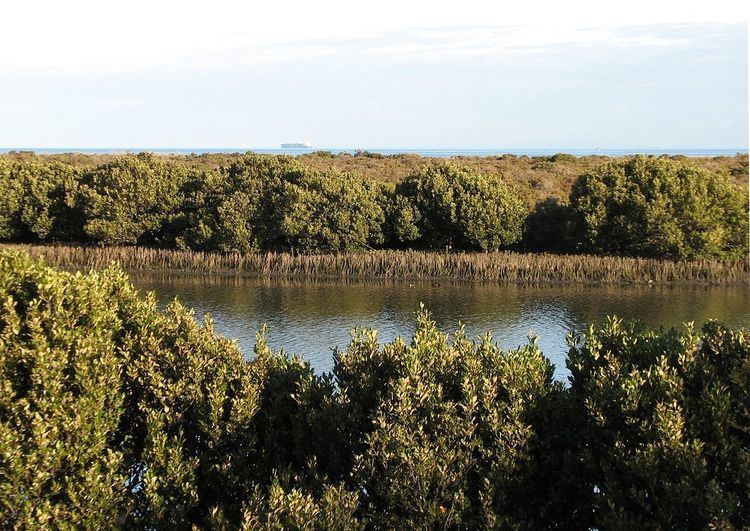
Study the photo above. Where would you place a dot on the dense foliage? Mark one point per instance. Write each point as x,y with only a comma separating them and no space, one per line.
114,413
654,207
39,201
450,206
638,206
665,438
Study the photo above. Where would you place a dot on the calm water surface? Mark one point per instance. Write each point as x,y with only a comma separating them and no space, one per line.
312,318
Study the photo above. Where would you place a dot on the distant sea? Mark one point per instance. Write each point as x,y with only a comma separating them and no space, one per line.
423,152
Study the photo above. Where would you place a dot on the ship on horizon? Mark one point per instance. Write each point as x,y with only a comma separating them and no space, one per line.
296,145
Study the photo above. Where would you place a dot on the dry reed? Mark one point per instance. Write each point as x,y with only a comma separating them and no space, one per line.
406,265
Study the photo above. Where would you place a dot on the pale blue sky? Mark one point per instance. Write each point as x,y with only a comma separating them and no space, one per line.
151,81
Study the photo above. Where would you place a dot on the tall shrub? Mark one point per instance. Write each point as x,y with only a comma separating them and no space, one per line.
132,199
112,412
331,211
455,206
657,207
236,208
447,428
38,201
60,399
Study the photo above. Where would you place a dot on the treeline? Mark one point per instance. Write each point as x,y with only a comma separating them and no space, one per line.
639,206
116,414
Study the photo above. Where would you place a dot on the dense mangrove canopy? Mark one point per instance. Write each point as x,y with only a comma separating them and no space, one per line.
638,206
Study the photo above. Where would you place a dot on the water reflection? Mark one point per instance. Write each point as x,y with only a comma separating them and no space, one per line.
313,317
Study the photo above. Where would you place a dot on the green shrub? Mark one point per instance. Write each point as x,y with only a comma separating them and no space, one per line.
237,208
294,509
656,207
265,202
447,432
453,206
11,195
38,201
114,413
187,426
132,199
403,222
667,441
60,398
563,157
330,211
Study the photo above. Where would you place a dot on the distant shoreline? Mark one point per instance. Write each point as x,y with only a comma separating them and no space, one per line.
500,267
424,152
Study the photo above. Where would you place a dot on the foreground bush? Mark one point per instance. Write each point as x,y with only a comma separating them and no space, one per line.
445,429
114,413
60,398
666,442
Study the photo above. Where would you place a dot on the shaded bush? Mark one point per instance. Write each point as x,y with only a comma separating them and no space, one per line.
453,206
656,207
38,201
131,199
548,228
330,211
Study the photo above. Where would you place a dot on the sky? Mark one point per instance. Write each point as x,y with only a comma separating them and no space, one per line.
390,74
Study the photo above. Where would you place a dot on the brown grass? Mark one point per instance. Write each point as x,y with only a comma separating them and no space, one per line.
406,265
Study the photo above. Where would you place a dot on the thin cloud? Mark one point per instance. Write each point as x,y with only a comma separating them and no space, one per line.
236,49
113,103
434,44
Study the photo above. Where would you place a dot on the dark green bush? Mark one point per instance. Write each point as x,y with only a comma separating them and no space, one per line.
131,200
656,207
38,201
642,206
548,228
563,157
452,206
330,211
236,208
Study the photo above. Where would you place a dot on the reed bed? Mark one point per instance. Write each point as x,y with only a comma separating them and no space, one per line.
403,265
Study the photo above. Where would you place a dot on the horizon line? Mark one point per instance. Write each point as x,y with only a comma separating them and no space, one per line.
363,148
